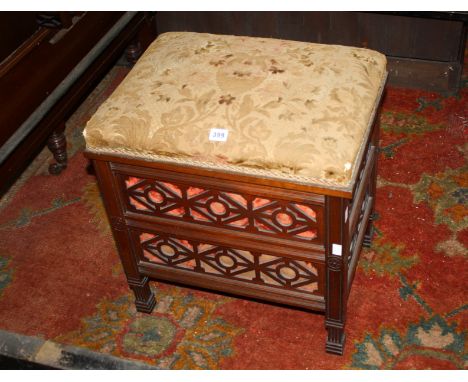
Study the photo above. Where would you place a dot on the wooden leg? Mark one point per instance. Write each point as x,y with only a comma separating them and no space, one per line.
144,297
367,242
335,340
57,144
133,52
372,190
337,250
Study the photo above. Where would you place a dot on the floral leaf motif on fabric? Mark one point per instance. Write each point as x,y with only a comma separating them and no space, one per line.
93,201
431,341
389,150
384,258
6,273
288,91
403,123
183,332
425,103
446,193
451,247
26,215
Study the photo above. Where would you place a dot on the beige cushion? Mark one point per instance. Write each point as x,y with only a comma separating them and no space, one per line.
293,110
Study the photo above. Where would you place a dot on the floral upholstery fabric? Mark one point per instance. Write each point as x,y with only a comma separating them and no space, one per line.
290,108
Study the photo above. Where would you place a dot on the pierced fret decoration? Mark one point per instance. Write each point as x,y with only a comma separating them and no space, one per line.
215,207
233,263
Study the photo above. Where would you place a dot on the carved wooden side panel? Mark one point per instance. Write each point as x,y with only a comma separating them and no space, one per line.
251,213
239,264
359,226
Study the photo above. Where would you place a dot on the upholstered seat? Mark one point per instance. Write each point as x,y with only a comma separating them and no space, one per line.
293,110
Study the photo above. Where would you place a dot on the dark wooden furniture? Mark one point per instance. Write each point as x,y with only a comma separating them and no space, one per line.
272,262
424,50
49,62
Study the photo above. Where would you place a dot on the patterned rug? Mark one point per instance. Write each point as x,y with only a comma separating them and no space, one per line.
61,281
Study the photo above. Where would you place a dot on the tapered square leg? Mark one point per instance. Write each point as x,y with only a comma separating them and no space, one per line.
144,297
367,242
335,340
372,191
337,251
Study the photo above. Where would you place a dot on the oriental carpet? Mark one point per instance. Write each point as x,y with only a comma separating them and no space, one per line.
62,286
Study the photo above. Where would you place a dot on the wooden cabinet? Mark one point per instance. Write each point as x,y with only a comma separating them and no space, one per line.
49,62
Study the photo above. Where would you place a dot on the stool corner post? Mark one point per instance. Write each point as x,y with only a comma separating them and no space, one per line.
144,296
336,291
123,236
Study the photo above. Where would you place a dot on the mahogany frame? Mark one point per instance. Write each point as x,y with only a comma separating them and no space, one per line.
344,219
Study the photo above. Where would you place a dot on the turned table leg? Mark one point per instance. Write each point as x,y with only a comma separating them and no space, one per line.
57,144
133,51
